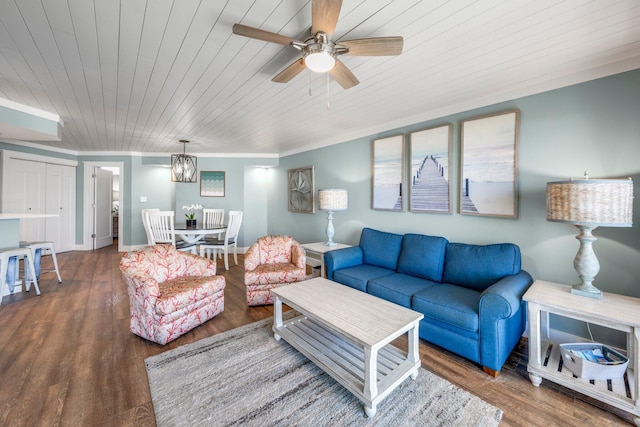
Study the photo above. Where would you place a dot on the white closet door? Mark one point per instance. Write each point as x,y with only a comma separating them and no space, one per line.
24,192
61,201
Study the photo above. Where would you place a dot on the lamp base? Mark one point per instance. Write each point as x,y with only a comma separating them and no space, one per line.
592,292
586,264
330,243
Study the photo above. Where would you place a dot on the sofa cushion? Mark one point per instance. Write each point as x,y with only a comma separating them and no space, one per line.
422,256
450,304
398,288
357,277
478,267
380,248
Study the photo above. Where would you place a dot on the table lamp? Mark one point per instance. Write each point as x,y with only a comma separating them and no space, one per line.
331,200
589,204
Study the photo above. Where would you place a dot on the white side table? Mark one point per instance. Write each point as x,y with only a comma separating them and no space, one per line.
613,311
319,249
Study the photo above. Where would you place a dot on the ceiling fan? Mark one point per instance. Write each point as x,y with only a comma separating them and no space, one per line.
319,52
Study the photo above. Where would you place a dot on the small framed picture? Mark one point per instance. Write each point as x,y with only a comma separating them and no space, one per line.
301,190
212,183
388,174
489,165
431,169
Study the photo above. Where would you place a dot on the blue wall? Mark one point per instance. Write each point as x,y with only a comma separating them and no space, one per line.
592,127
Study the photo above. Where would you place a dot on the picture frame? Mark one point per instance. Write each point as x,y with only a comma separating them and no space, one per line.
489,165
301,190
430,169
387,181
212,183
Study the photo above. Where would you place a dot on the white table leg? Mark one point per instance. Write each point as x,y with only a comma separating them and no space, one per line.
370,378
534,341
413,353
277,317
635,361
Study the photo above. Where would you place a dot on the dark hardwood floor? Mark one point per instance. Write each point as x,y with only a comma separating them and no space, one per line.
67,357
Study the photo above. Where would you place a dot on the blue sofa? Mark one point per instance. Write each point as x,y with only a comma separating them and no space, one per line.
470,295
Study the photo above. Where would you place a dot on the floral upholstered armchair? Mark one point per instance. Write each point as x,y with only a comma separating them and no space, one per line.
271,262
170,291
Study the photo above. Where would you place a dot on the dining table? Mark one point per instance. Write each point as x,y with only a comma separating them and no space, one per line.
197,233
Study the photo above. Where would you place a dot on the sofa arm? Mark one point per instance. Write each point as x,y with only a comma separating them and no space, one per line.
503,299
252,258
298,255
342,258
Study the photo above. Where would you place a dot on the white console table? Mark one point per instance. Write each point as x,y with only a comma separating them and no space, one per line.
613,311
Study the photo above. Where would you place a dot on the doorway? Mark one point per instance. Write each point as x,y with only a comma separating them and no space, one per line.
89,223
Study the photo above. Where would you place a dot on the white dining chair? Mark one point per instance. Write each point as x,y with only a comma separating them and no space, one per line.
145,223
162,230
230,240
211,217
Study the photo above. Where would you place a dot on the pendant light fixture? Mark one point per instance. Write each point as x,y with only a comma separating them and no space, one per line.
184,167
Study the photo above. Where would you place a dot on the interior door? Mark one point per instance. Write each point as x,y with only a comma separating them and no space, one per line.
102,222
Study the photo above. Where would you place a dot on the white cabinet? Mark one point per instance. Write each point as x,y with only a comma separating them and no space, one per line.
41,186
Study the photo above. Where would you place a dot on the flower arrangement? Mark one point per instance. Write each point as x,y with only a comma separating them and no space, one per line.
191,210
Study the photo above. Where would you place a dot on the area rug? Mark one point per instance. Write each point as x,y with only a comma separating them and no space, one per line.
244,377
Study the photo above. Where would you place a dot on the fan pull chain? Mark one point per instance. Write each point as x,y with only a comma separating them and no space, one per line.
328,93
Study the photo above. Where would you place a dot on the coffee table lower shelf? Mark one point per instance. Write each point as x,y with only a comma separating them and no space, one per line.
345,361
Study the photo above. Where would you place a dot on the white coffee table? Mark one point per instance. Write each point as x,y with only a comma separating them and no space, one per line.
347,333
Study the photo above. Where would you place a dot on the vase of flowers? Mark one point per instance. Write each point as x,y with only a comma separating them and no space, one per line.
191,214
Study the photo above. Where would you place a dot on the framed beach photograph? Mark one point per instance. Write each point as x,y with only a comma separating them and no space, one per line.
388,173
212,183
429,154
489,165
301,189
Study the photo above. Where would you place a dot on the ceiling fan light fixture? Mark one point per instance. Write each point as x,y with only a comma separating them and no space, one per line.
319,57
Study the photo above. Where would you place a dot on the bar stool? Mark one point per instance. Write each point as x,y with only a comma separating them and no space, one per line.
38,248
11,256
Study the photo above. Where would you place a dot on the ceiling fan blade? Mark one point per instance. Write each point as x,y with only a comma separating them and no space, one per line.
256,33
343,75
324,15
376,46
290,72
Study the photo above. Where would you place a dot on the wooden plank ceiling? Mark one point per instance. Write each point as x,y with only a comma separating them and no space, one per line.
138,75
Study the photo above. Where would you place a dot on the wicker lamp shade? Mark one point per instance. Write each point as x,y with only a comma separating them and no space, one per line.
589,204
593,202
332,200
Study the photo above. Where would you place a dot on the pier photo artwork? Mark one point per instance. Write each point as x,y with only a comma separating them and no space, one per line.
430,170
388,173
489,166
